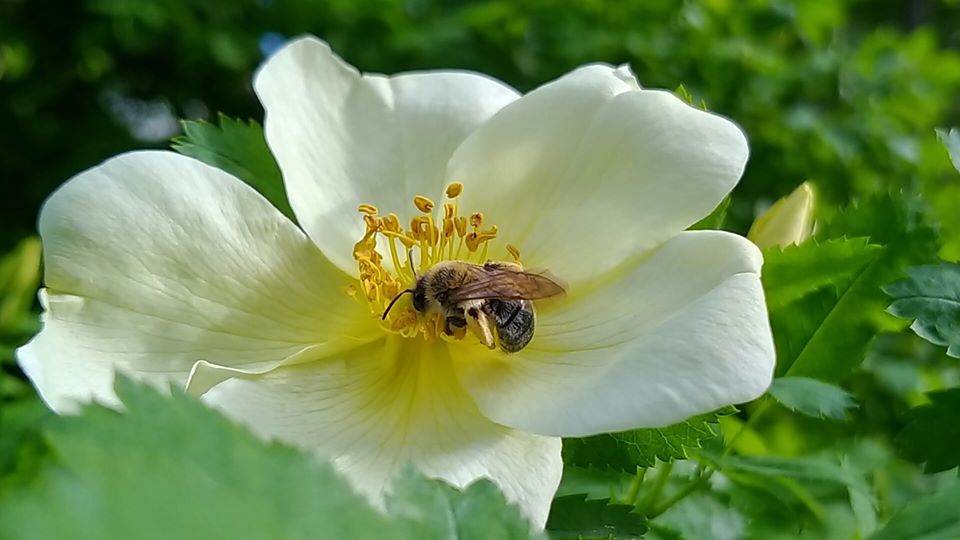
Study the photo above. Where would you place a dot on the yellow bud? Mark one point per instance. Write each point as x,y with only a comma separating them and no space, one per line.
788,221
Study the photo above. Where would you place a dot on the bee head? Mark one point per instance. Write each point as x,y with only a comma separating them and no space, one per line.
420,297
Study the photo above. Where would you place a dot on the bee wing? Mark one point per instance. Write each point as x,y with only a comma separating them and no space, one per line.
506,283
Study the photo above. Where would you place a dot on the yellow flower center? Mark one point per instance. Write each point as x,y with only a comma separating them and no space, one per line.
413,251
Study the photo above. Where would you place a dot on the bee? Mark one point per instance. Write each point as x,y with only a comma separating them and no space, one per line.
492,300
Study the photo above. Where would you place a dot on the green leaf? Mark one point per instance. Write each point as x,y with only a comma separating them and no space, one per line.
806,469
627,450
932,433
932,517
22,448
703,517
173,468
239,148
825,334
19,278
575,516
791,273
684,94
930,296
715,219
440,511
812,397
951,140
792,481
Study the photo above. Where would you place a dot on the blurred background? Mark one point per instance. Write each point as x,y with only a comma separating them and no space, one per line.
844,93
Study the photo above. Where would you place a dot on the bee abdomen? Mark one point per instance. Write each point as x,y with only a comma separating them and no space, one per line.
515,322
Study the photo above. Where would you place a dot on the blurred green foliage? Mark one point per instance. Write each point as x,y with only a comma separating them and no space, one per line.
845,93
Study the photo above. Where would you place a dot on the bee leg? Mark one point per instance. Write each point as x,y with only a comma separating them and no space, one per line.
456,327
454,323
480,324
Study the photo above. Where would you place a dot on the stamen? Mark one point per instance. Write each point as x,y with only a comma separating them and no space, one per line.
436,239
423,204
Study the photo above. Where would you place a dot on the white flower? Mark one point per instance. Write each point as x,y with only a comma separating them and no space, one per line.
167,269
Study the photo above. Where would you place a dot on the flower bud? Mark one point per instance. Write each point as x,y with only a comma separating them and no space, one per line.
788,221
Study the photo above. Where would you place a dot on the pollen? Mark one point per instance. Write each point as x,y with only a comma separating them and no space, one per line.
390,256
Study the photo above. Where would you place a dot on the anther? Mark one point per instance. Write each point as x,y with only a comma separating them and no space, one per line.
423,204
476,219
514,252
368,209
373,223
472,241
391,223
454,190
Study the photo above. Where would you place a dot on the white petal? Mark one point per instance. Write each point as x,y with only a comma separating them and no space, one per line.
155,261
388,404
684,332
585,172
343,139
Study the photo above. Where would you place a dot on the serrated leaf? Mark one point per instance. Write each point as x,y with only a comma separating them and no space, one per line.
951,140
576,516
173,468
825,334
932,433
684,94
240,149
441,511
930,297
627,450
812,397
791,273
933,517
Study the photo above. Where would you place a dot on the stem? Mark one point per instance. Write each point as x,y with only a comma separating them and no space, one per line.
764,406
634,490
697,483
658,484
704,473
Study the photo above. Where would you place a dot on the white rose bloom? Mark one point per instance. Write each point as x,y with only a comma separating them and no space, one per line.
171,271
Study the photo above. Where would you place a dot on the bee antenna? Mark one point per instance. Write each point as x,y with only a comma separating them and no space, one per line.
413,267
394,301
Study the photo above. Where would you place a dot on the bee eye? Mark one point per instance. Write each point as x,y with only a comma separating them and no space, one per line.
473,312
419,300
